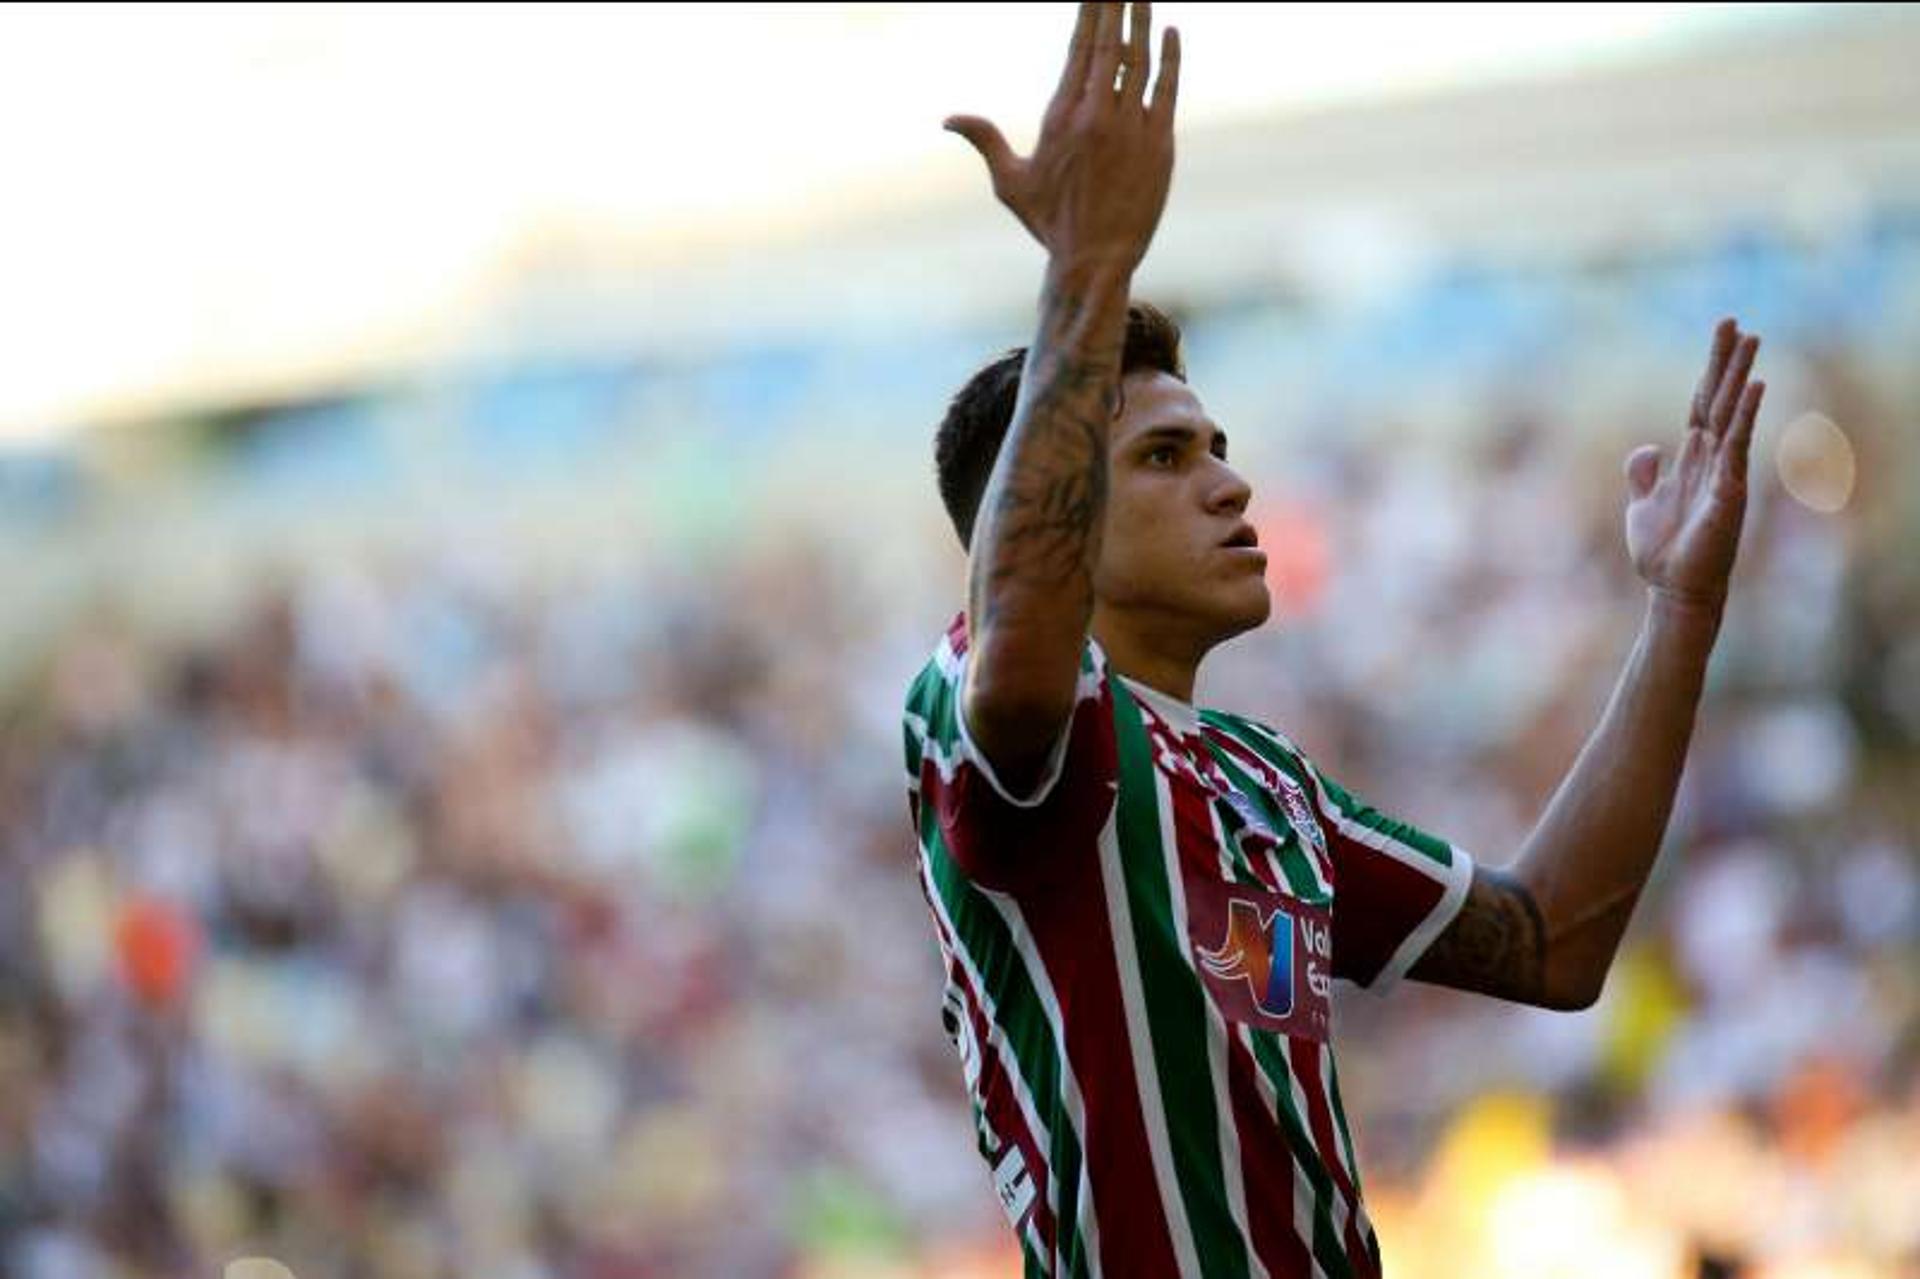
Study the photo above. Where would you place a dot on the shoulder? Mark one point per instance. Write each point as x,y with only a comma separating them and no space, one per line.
937,683
932,694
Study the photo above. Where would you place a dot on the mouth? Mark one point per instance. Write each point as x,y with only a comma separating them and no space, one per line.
1242,538
1243,544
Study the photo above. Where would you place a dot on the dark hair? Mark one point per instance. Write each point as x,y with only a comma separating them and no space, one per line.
969,438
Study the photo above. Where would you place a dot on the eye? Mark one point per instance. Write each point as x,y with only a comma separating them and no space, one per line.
1165,450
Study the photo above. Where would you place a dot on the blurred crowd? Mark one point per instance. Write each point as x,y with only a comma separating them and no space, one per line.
436,916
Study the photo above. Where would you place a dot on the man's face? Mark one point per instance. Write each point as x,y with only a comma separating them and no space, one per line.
1174,511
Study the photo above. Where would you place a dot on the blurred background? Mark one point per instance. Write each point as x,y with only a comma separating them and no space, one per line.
467,523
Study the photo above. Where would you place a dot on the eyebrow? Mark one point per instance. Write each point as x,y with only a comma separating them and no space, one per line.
1175,435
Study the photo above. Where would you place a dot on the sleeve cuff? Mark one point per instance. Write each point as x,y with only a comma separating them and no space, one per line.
1049,776
1458,875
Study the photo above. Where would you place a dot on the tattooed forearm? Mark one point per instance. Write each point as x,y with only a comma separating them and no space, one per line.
1496,945
1038,534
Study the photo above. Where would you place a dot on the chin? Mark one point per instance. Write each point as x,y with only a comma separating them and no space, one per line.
1244,610
1262,610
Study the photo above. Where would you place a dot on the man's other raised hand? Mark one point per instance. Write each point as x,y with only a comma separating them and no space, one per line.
1094,187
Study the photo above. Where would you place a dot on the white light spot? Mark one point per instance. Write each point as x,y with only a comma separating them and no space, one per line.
1816,463
256,1268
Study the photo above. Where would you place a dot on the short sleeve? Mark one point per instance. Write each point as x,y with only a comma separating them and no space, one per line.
998,837
1396,887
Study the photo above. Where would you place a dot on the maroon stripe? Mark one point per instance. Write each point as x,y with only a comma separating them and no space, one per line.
1267,776
1266,1166
1306,1066
1386,899
1070,927
997,1090
1269,1169
1244,755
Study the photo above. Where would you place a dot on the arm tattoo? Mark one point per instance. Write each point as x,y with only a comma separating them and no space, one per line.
1039,534
1496,945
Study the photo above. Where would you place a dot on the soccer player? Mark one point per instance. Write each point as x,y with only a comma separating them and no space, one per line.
1141,904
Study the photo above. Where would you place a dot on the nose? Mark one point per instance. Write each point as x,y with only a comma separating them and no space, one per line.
1230,493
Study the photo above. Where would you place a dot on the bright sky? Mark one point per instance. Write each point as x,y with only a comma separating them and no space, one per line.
207,196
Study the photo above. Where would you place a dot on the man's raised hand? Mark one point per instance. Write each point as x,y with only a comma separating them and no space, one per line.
1684,516
1093,189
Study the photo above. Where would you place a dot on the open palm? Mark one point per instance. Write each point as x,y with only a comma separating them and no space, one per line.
1684,514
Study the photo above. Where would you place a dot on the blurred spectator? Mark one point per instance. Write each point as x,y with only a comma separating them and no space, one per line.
443,916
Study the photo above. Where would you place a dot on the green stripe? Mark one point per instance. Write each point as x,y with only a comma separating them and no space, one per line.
1429,846
1301,881
1237,860
1328,1247
1017,1010
1262,744
914,750
1265,741
1176,1011
934,699
1036,1265
1353,1160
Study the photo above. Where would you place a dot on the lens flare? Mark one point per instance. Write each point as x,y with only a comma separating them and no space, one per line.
1816,463
256,1268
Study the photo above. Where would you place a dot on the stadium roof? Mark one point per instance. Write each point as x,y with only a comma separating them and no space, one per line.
209,201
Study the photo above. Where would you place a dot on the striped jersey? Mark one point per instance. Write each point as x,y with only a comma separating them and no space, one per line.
1138,957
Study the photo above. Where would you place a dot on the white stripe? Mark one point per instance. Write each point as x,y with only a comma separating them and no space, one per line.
1399,850
1075,1101
1302,1187
996,1034
1347,1157
918,727
1337,1208
1233,1169
1181,717
1308,853
1280,741
1303,1218
953,670
944,763
1056,761
950,664
946,660
1083,1208
1453,877
1139,1040
1459,876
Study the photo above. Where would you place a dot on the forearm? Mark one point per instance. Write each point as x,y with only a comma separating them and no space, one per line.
1037,538
1589,856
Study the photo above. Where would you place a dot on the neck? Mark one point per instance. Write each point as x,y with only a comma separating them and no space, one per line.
1160,654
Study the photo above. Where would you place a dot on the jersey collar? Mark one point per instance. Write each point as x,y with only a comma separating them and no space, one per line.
1183,717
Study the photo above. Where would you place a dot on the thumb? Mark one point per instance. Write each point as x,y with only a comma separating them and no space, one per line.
1643,469
986,139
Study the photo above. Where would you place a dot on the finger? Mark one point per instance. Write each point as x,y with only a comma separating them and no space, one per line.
1740,436
1133,77
986,139
1167,87
1073,76
1733,385
1695,451
1643,469
1105,62
1724,335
